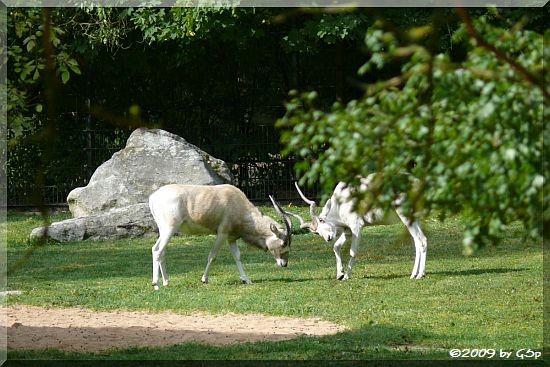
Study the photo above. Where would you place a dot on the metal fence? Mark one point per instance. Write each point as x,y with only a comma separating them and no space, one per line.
252,154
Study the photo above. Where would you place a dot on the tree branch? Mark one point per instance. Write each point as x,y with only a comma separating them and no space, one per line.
526,74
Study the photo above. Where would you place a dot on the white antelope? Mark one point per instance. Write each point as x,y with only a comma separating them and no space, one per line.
339,218
223,210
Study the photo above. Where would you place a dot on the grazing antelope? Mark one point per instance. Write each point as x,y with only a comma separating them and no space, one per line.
339,219
223,210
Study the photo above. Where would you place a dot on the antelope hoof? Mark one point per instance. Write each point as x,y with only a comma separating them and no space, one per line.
155,287
204,280
346,277
340,277
419,276
246,281
165,283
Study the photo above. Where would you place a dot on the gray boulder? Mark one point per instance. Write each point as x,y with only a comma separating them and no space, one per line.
128,222
151,159
115,205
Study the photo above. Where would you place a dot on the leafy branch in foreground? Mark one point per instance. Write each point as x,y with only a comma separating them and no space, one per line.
471,130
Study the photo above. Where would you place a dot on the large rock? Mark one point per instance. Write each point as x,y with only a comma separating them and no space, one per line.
128,222
115,203
151,159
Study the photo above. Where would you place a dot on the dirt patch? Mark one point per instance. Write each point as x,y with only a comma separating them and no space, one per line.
81,330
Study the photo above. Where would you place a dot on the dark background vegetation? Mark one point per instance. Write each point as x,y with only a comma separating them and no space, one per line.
221,87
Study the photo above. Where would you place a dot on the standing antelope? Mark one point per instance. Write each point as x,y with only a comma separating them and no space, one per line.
338,218
222,210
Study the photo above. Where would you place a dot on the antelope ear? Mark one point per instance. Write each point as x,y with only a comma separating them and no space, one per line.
275,230
314,225
306,226
303,223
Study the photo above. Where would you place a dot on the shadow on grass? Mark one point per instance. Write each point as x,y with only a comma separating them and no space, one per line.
480,271
386,276
293,280
367,342
451,273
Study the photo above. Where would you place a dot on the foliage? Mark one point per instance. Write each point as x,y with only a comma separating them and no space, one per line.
198,24
325,29
493,299
35,41
78,35
469,127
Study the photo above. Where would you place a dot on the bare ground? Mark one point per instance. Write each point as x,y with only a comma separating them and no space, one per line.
82,330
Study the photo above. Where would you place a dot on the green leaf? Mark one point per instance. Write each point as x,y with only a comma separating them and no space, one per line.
73,65
65,76
30,45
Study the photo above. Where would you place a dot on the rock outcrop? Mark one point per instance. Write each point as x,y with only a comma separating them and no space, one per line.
128,222
151,159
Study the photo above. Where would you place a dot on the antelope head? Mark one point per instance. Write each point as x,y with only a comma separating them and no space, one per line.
279,244
312,226
318,225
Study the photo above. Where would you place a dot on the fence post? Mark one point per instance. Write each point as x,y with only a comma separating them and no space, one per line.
89,138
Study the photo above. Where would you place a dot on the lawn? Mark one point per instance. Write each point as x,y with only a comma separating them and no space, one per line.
493,299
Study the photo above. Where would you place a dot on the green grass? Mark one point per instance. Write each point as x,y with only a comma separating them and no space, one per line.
493,299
